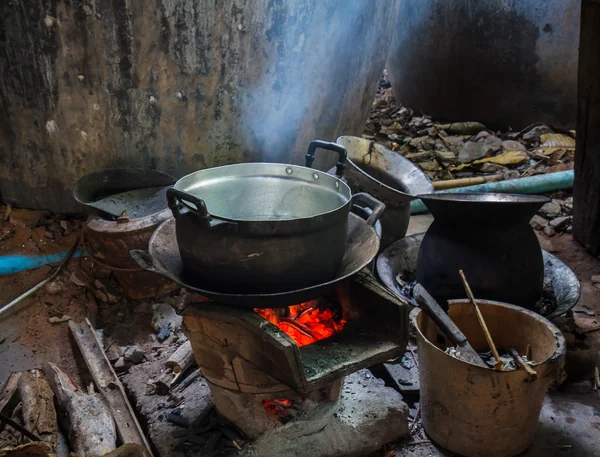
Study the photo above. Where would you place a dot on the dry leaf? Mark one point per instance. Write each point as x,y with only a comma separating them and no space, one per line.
506,158
557,140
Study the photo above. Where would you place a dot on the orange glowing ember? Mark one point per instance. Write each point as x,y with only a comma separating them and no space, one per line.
281,408
305,323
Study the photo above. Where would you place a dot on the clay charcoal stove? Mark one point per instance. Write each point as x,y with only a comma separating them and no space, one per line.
285,367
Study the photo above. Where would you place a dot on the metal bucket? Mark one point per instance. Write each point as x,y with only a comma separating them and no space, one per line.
387,176
481,412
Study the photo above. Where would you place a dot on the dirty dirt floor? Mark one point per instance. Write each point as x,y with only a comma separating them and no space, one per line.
570,419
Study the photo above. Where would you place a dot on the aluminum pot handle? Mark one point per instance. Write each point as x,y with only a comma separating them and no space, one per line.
177,198
179,203
372,203
341,150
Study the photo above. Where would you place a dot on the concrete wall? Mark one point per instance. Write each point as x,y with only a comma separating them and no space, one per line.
178,85
503,62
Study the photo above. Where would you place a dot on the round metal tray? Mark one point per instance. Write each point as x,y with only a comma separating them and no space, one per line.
163,258
402,256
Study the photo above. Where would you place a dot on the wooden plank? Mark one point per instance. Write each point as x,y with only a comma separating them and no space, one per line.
87,418
109,385
586,188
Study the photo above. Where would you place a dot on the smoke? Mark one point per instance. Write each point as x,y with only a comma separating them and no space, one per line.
312,73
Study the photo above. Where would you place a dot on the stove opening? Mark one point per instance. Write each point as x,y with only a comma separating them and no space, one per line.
283,409
307,322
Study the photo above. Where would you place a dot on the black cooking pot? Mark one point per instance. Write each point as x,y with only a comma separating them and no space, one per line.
264,227
489,237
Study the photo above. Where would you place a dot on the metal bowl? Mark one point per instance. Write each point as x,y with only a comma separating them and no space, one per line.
402,257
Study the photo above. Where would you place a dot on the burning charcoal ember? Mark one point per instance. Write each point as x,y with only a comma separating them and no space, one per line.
305,323
283,409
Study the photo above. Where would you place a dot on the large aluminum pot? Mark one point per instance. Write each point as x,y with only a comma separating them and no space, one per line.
263,227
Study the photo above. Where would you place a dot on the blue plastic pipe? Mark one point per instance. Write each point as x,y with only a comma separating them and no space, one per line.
10,264
537,184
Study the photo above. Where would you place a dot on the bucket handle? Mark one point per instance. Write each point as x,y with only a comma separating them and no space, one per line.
181,202
377,207
341,150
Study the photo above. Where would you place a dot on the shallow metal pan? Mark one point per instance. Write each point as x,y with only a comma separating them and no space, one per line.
361,248
402,256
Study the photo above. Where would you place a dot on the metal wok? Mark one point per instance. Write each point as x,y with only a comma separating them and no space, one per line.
361,248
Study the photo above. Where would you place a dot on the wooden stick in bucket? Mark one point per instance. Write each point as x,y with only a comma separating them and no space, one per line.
498,365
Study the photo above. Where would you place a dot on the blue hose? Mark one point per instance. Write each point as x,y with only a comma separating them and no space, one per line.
10,264
537,184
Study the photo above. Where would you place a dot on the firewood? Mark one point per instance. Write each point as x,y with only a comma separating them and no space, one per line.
8,394
163,383
182,358
9,389
36,449
110,386
88,420
39,413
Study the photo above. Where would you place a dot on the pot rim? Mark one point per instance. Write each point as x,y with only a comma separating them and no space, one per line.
340,187
398,157
561,345
485,198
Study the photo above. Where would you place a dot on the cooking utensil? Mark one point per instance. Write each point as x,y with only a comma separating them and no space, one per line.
164,258
498,365
446,325
401,258
124,192
489,237
389,177
263,227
